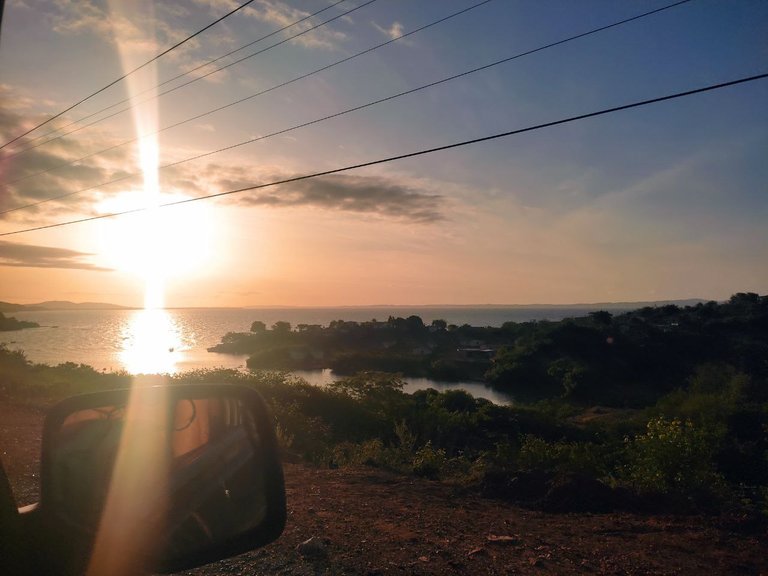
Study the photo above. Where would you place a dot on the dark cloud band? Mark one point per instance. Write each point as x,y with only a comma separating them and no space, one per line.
371,195
30,256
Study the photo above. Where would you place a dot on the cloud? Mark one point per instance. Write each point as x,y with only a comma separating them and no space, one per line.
362,194
29,256
138,31
44,172
138,27
394,31
78,187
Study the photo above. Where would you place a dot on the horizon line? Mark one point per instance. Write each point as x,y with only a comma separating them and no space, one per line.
353,306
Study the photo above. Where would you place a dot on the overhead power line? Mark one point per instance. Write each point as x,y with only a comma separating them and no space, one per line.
462,143
198,78
168,81
124,76
324,118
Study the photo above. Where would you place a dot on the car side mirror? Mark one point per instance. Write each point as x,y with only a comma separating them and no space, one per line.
162,478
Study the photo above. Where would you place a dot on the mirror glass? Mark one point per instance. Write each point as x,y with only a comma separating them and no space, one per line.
161,475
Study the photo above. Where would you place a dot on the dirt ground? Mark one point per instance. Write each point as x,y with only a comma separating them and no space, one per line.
370,522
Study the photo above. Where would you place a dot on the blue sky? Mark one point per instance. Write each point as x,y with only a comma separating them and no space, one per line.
667,201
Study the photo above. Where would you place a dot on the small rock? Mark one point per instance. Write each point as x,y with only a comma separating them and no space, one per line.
503,539
313,548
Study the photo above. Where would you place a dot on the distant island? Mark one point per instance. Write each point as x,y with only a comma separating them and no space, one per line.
59,305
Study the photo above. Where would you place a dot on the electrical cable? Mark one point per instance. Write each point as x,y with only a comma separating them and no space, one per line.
201,77
462,143
318,120
169,80
124,76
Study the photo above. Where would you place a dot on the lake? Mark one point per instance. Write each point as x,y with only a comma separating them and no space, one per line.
176,340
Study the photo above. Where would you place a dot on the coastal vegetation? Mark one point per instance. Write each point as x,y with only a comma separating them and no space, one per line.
9,323
657,409
626,360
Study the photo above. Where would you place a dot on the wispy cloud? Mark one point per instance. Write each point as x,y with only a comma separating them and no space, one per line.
395,30
280,14
30,256
140,32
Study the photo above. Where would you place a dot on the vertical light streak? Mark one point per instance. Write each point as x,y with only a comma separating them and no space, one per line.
131,524
131,19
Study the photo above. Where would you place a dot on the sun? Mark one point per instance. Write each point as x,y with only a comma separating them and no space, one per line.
156,242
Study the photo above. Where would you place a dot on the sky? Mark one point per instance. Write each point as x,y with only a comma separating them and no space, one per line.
667,201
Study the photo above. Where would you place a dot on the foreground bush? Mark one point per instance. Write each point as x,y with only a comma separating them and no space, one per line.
674,457
553,454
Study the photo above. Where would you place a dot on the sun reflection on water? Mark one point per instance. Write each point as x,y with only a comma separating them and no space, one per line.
152,343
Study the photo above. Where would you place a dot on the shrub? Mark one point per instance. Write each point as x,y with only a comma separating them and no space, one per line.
562,457
673,457
429,462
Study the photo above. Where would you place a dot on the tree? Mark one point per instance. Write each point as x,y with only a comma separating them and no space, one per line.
439,324
601,317
258,327
414,323
281,326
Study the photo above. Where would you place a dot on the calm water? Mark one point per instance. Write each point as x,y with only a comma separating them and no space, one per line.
170,341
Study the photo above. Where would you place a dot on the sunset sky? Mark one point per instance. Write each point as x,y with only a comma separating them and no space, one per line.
661,202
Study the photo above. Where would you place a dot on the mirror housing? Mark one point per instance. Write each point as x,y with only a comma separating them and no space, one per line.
159,477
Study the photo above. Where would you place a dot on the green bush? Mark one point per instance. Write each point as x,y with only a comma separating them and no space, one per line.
714,392
674,457
429,462
562,457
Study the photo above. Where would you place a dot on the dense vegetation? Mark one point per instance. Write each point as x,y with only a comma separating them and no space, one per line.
661,408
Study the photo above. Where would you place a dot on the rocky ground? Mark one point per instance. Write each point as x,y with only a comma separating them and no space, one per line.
370,522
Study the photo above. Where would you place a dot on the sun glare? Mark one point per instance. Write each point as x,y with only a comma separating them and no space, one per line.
152,343
168,242
157,244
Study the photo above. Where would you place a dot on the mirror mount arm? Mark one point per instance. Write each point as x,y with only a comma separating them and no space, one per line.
11,537
8,510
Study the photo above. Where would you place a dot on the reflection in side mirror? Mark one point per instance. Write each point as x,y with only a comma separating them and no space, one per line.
163,477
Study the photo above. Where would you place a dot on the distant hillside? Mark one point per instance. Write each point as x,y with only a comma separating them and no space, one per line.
8,307
578,306
618,305
59,305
